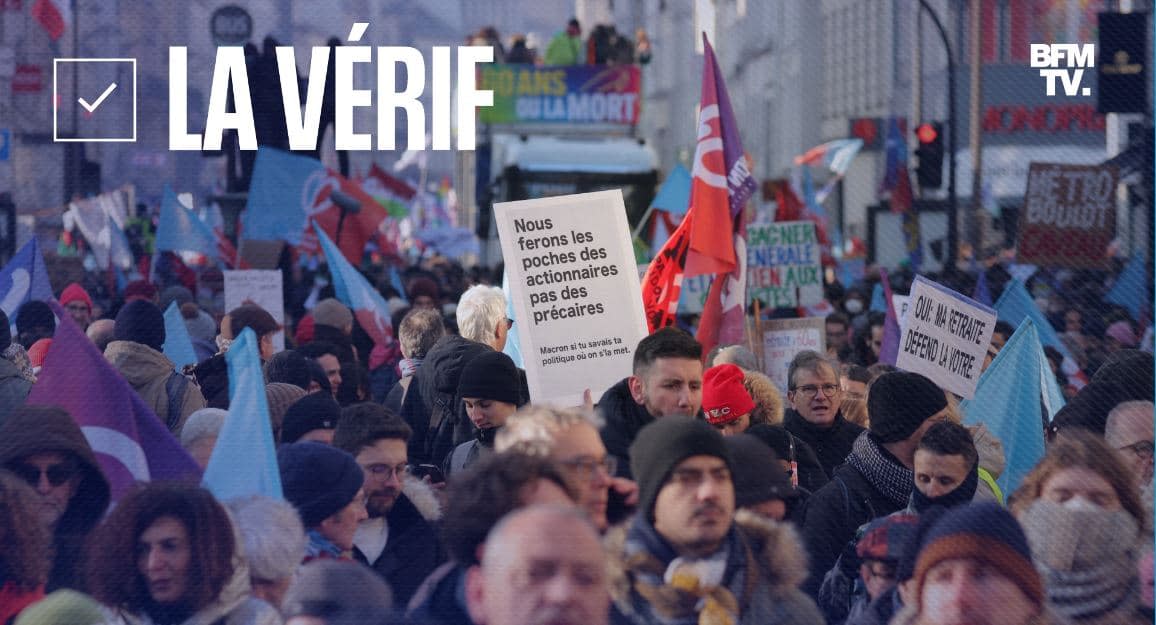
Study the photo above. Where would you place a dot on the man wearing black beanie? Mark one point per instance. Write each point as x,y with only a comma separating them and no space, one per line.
685,557
137,355
878,477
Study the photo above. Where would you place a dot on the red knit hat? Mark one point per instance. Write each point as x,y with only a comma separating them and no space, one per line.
724,398
74,293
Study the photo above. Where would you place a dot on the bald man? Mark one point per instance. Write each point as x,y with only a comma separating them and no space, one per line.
540,565
1130,432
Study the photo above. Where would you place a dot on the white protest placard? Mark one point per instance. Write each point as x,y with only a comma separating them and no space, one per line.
945,337
261,287
784,264
783,339
576,293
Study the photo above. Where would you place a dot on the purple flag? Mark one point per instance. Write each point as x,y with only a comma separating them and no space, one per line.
889,350
130,442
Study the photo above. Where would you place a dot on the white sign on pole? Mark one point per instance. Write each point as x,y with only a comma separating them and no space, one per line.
783,339
576,293
945,337
261,287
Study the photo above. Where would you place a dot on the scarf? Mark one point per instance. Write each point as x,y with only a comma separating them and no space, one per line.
882,470
959,496
678,591
321,547
1085,557
19,357
408,366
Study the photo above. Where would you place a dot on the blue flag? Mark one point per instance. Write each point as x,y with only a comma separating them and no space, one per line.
395,282
178,346
1131,289
674,194
181,230
1015,305
353,290
244,461
1012,395
283,184
24,278
513,347
878,299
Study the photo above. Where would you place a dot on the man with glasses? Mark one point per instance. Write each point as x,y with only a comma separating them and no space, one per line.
815,395
570,439
1130,431
399,540
46,448
685,558
78,304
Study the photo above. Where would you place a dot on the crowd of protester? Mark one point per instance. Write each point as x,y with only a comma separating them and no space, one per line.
421,485
604,46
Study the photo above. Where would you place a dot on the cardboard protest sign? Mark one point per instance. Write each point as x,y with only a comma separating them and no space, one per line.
576,293
261,287
783,264
945,337
1069,215
785,338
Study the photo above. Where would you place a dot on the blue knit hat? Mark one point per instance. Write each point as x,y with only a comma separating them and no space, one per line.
318,479
140,321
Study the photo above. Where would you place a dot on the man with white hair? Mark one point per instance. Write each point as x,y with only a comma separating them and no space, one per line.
1130,432
570,439
274,542
431,406
541,564
200,432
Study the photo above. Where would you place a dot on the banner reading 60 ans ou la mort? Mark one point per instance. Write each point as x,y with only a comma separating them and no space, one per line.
578,94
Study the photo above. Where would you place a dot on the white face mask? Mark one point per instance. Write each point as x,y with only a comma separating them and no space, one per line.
853,306
1080,503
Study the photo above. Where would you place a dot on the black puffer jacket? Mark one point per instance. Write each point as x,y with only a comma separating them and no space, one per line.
435,412
831,444
624,418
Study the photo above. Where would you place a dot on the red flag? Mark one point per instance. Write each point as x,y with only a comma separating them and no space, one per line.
357,227
721,184
53,15
662,283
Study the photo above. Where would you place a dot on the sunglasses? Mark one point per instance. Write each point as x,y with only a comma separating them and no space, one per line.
57,474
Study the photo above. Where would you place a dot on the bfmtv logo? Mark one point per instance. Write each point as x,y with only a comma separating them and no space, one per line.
1075,58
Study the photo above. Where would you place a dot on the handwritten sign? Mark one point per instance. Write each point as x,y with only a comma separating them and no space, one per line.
261,287
576,292
1069,215
783,339
945,337
783,264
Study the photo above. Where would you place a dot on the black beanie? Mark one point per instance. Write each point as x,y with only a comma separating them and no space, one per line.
491,375
899,402
315,411
758,476
664,443
318,479
140,321
33,315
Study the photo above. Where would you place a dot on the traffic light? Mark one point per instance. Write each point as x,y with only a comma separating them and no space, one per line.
929,138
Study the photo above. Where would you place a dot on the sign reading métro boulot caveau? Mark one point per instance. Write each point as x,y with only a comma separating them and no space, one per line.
945,337
1069,215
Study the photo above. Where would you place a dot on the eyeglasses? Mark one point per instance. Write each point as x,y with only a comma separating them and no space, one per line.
509,324
811,390
585,468
385,472
77,307
57,474
1142,449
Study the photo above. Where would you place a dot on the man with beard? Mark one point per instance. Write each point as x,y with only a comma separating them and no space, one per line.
815,394
686,557
667,381
399,540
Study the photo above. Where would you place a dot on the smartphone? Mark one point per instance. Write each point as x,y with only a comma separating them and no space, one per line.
420,471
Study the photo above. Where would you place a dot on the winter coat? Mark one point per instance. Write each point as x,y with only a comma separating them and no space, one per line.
441,598
835,512
213,377
414,548
233,606
880,611
831,444
148,371
432,407
624,418
775,559
565,50
13,388
24,435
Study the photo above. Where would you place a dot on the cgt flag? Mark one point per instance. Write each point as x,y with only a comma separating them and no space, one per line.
130,442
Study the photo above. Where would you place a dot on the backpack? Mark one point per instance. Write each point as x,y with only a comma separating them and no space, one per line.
842,585
175,388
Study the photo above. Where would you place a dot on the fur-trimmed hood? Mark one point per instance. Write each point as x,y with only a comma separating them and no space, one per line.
423,497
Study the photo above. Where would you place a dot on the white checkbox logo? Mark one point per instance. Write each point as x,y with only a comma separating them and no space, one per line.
92,107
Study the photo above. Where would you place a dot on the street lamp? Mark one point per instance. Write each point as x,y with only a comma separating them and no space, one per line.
952,205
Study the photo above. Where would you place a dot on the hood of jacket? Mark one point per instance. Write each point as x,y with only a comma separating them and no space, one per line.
138,363
442,367
27,432
991,454
623,418
422,496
